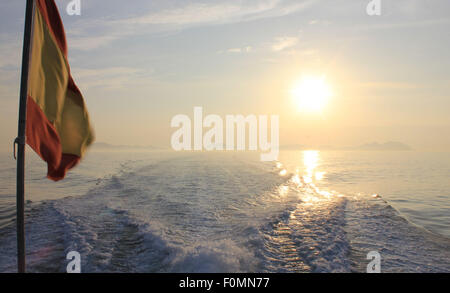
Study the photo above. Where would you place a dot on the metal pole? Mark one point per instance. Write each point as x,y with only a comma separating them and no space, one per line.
20,140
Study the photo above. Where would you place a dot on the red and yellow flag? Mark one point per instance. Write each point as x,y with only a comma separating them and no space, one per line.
58,127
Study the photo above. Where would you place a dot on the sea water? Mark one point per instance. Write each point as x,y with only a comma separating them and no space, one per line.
164,211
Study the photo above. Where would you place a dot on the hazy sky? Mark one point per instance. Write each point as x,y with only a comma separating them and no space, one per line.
139,63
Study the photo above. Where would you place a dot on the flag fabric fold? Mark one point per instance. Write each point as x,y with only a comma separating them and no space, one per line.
58,127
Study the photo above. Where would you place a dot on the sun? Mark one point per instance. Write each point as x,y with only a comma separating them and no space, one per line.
311,93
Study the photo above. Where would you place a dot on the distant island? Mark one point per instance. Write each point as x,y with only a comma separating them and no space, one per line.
387,146
373,146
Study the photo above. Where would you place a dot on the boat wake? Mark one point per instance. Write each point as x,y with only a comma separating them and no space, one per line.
213,214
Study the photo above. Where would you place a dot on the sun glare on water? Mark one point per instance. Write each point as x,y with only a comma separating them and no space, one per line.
311,93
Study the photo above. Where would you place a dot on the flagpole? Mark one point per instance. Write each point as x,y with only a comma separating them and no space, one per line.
20,140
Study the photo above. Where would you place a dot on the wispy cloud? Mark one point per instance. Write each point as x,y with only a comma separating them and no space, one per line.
406,24
90,43
198,13
92,34
111,78
217,12
319,22
246,49
283,43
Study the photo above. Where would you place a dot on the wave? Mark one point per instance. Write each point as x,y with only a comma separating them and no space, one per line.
189,215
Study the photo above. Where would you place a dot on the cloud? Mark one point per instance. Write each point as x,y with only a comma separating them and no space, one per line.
197,13
283,43
247,49
90,43
111,78
95,33
406,24
220,12
319,22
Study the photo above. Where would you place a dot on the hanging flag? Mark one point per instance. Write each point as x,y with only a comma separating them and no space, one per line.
57,127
